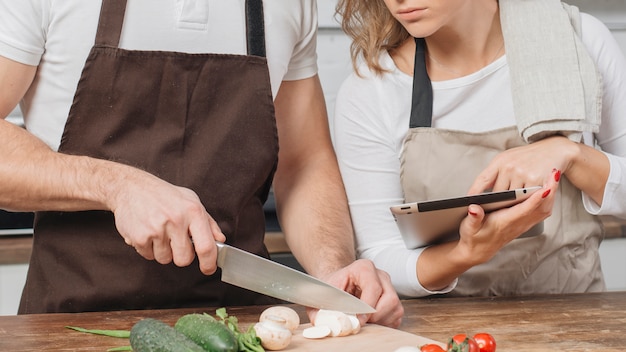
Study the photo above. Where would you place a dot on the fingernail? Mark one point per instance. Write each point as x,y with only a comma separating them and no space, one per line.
471,212
545,194
557,175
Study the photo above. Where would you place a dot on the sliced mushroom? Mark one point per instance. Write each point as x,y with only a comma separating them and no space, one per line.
338,322
356,324
316,332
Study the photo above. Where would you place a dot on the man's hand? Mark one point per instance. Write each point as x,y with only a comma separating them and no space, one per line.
372,286
166,223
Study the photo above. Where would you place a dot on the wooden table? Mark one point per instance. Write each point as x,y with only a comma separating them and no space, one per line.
580,322
577,322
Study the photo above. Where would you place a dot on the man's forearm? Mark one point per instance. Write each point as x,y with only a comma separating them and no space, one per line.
310,197
314,216
33,177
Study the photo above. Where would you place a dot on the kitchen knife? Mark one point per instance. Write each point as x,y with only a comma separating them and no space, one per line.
244,269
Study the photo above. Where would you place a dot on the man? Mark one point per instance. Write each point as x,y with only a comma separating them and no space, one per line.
163,133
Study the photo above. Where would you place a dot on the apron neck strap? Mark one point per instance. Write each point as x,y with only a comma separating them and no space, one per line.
255,28
110,23
112,19
422,98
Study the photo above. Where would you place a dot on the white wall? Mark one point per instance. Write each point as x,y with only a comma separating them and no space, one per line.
611,12
12,279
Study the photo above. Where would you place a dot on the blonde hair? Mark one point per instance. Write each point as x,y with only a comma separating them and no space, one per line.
372,29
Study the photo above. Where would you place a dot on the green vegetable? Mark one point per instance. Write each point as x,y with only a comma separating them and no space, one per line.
248,341
207,332
112,333
151,335
192,332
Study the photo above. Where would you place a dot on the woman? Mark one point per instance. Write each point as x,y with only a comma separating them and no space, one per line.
397,140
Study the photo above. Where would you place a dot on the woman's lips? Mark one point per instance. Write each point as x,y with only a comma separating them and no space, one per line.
411,14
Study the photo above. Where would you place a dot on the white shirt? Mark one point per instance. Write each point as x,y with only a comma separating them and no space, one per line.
57,36
372,117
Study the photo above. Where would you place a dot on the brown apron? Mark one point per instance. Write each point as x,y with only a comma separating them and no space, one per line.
440,163
202,121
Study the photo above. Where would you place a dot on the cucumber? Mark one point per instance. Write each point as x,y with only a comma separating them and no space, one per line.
151,335
207,332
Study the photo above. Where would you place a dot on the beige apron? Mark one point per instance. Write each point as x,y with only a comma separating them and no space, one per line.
439,163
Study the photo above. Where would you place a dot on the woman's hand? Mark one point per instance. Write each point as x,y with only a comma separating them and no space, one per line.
483,235
526,166
585,167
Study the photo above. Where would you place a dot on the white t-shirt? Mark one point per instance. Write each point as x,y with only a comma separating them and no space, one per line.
57,36
372,117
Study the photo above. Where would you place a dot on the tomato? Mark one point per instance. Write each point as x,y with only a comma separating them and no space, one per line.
485,342
431,347
462,343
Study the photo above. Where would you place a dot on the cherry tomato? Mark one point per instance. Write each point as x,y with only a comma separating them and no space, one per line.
485,342
462,343
431,347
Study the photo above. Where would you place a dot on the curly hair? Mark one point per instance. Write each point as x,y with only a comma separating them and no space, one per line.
372,29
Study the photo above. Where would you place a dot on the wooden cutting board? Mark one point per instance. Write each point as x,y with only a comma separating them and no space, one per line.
371,337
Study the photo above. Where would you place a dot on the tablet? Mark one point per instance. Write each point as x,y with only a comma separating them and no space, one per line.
435,221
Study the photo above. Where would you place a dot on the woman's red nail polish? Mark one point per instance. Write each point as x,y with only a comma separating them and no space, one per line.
545,194
557,175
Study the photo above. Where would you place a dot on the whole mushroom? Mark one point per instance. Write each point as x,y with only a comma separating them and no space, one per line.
292,319
273,333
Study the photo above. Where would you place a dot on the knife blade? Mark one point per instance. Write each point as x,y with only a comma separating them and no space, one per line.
255,273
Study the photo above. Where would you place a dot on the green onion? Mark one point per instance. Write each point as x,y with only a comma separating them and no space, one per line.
112,333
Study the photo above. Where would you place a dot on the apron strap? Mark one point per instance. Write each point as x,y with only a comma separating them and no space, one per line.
110,23
422,98
255,28
112,19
